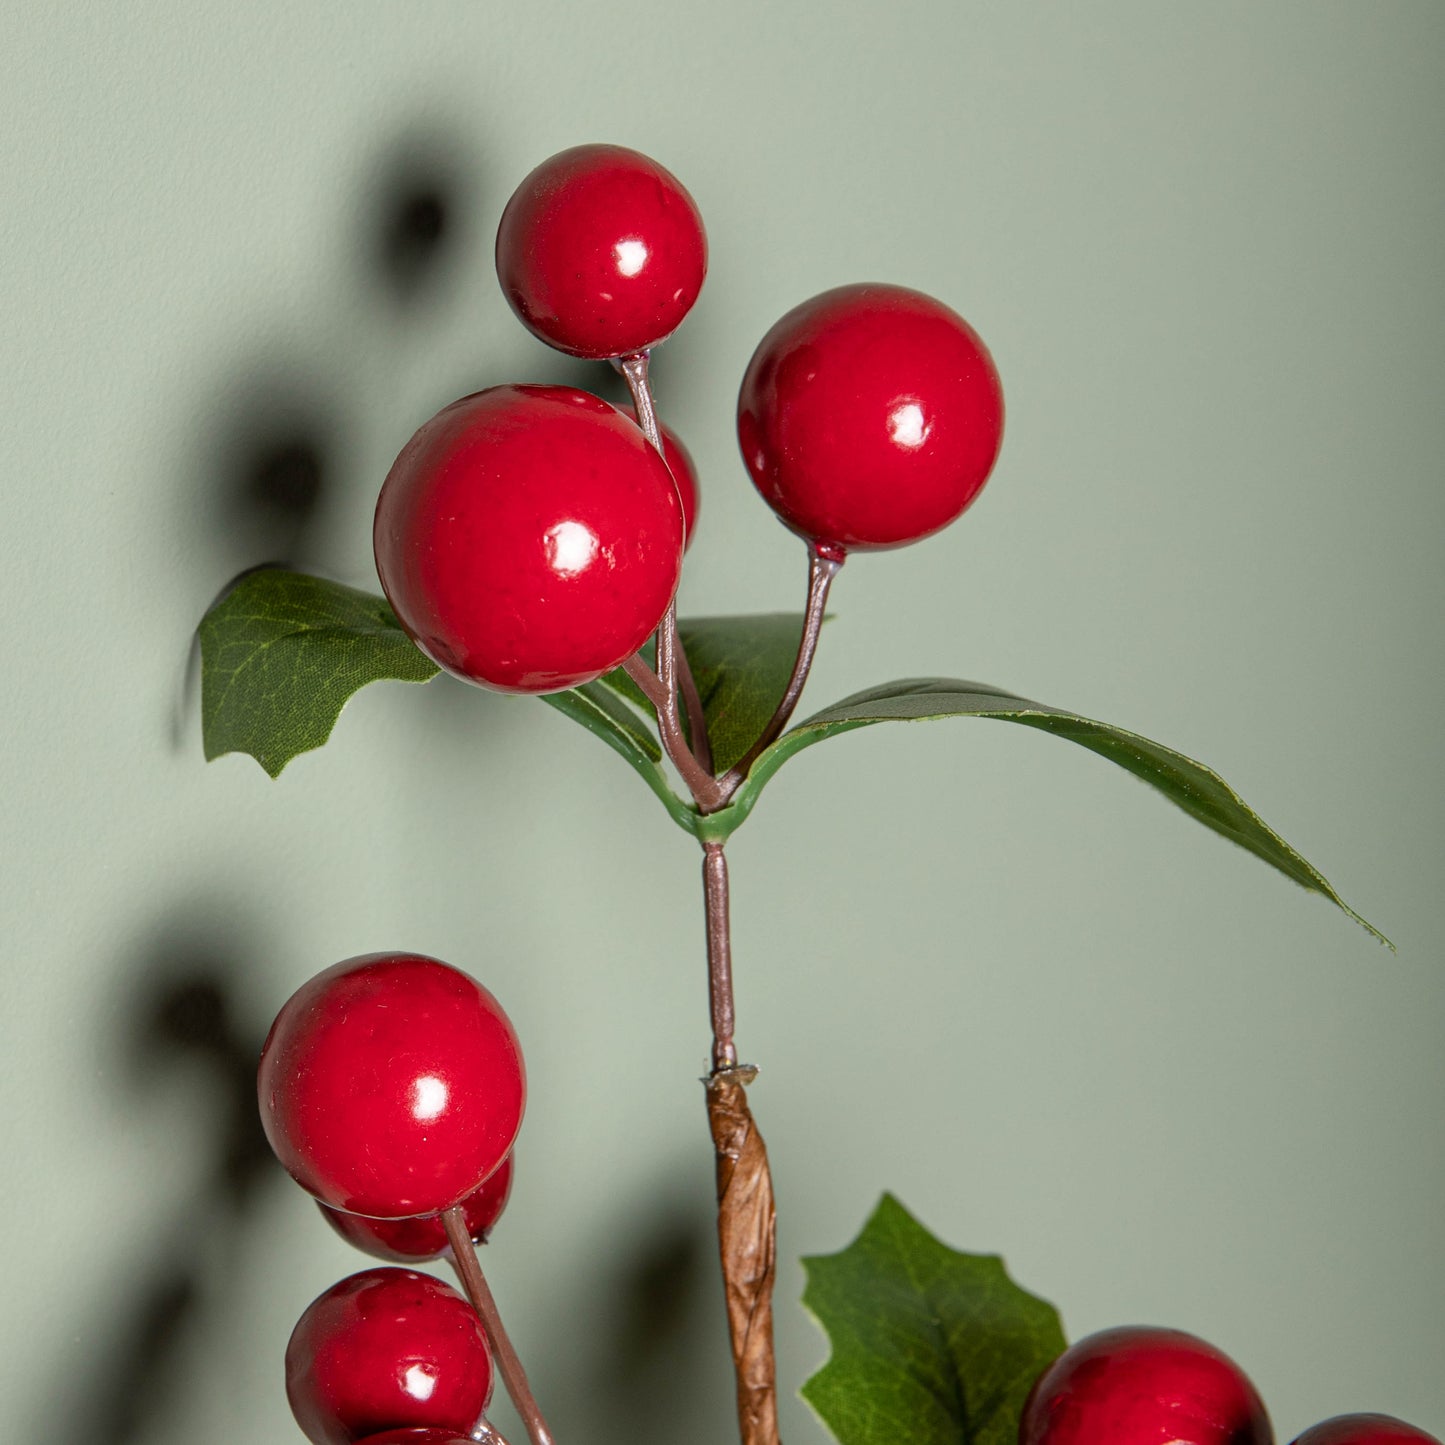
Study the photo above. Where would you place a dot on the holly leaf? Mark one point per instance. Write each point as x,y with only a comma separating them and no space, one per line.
1192,786
929,1345
741,666
282,653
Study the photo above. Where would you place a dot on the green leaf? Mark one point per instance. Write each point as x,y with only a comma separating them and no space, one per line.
929,1346
1198,790
282,652
741,666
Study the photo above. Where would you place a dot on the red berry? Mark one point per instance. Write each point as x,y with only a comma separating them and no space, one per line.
601,251
1142,1386
410,1241
391,1085
1364,1430
383,1349
870,416
529,538
684,473
418,1437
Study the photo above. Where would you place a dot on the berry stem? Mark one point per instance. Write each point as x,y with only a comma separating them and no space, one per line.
514,1377
702,785
672,664
824,563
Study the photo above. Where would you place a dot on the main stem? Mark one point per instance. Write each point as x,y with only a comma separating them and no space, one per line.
514,1377
747,1217
719,955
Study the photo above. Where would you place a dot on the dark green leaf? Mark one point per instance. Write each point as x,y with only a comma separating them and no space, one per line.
281,653
929,1346
1198,790
741,666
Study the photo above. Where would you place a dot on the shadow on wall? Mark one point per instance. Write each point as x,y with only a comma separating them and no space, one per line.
181,1031
642,1353
270,461
664,1373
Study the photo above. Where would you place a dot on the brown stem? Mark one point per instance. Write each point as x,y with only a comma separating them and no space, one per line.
702,785
670,652
696,718
514,1377
719,955
746,1217
823,566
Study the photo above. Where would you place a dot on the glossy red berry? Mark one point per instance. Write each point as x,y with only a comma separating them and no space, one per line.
601,251
684,473
870,417
1364,1430
529,538
391,1085
1143,1386
418,1437
411,1241
385,1349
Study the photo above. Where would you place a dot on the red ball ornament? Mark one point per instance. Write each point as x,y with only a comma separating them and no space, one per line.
869,417
386,1349
601,252
391,1085
412,1241
1142,1386
529,538
1364,1430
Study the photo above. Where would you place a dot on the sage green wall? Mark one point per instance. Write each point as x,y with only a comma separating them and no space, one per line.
980,967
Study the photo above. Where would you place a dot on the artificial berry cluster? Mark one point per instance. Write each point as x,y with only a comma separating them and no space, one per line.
1143,1386
391,1087
530,539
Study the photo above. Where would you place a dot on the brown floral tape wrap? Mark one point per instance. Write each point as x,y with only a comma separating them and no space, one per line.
747,1237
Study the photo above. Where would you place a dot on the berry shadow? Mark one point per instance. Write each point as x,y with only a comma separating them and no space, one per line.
662,1369
417,212
180,1028
267,462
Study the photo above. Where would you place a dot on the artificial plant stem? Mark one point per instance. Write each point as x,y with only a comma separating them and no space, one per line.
746,1218
514,1377
747,1243
634,372
719,955
823,566
672,664
702,785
